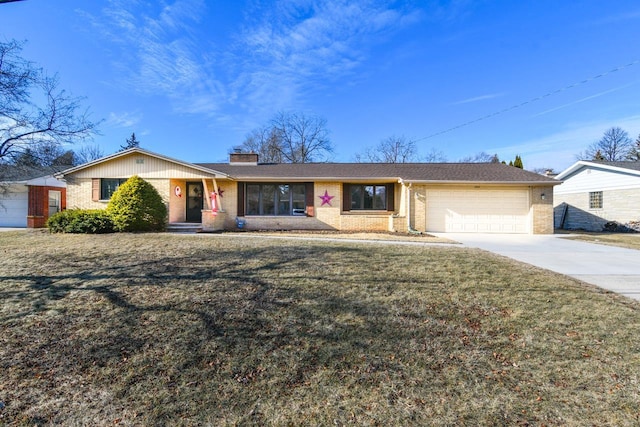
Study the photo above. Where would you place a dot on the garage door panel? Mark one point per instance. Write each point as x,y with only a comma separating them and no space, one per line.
478,211
13,207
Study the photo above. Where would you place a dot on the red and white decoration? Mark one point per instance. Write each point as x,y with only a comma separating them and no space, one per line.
214,203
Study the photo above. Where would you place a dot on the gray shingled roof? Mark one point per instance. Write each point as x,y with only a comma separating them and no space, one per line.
626,165
415,172
11,173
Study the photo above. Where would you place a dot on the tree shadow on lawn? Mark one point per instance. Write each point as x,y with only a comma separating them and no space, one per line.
187,319
205,336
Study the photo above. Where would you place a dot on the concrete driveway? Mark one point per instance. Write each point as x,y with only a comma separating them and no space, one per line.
609,267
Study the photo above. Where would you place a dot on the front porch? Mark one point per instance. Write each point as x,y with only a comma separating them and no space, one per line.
211,221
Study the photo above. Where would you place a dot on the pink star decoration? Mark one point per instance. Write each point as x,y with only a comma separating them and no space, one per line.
326,199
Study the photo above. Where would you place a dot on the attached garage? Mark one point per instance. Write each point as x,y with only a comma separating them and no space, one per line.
14,206
478,210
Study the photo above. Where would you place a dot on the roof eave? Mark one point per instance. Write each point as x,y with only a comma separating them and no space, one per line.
218,174
459,182
584,163
315,178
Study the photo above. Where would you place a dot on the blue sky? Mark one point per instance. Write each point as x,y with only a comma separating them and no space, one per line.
192,78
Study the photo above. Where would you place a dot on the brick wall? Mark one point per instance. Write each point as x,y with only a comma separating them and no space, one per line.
79,193
38,212
329,214
617,205
367,222
419,207
542,210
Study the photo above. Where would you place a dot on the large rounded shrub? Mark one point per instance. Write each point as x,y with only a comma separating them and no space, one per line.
137,206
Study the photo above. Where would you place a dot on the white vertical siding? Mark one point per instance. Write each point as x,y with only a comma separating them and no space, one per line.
595,179
144,166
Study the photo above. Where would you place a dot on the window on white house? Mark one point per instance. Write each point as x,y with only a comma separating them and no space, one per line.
595,200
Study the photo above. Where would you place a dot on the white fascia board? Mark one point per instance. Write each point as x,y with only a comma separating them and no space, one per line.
217,174
583,164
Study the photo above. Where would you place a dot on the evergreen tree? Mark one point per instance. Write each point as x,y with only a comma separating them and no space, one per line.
132,142
27,158
634,152
137,206
518,162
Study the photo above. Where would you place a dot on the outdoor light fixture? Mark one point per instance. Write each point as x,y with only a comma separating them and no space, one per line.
542,196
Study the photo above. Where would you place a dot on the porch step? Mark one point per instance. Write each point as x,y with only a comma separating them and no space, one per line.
184,227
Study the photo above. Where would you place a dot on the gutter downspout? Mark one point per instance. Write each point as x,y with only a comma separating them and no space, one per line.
410,229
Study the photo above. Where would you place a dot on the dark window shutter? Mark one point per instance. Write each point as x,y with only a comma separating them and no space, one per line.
390,200
346,197
309,199
95,189
240,198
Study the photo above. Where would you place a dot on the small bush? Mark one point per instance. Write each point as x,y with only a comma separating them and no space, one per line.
58,222
81,221
137,206
91,222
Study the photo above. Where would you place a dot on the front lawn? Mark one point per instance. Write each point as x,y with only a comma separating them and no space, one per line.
160,329
623,240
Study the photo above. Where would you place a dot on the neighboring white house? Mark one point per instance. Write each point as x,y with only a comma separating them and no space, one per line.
594,193
18,209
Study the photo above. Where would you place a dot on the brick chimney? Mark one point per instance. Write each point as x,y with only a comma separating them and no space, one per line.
239,158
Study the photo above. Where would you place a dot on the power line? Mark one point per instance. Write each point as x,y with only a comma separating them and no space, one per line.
537,98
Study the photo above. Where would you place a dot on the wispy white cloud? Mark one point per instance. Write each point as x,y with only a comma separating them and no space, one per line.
159,53
559,150
282,51
300,47
478,98
587,98
618,18
124,119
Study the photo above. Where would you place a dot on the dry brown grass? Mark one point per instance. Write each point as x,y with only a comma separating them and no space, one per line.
623,240
157,329
353,235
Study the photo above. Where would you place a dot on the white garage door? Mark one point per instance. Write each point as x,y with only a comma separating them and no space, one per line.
13,206
478,210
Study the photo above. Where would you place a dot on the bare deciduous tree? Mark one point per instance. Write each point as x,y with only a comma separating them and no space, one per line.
434,156
88,153
265,142
303,138
25,124
291,138
481,157
394,149
615,145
